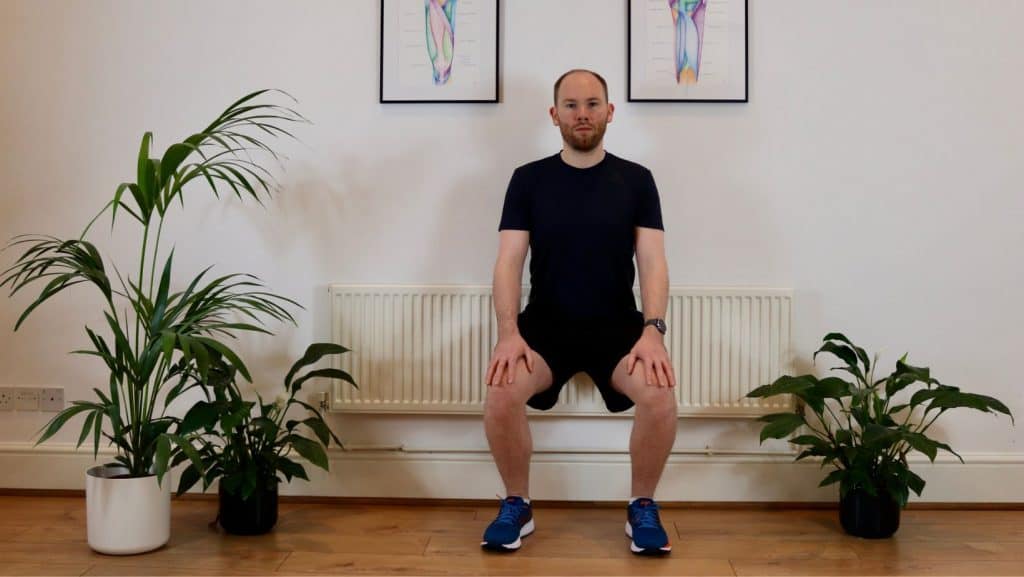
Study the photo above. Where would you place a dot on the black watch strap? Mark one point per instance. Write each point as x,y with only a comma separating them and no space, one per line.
658,324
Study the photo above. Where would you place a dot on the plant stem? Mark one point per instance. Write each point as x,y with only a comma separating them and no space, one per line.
156,252
925,427
142,272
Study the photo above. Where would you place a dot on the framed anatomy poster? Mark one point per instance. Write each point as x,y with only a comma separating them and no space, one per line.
687,51
439,51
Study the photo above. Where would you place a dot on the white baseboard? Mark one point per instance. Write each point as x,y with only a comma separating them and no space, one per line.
985,478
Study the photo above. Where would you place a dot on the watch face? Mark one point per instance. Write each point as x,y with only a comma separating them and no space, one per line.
659,325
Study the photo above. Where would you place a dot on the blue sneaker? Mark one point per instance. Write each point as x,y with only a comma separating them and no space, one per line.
515,521
644,528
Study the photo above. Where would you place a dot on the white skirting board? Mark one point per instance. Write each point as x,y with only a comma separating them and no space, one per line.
985,478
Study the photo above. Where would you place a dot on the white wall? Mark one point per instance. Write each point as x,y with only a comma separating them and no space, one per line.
876,170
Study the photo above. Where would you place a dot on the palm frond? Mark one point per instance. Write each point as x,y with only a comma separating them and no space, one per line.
65,262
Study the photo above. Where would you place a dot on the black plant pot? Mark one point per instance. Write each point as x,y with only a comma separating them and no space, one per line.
863,515
253,516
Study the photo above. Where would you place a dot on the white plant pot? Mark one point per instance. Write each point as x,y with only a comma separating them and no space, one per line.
128,515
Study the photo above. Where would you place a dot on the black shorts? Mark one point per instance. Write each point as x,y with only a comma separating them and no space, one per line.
568,347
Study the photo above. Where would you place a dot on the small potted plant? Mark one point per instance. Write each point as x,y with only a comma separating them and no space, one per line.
865,428
249,445
152,336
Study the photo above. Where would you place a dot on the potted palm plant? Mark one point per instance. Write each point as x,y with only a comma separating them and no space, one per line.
248,445
153,338
865,428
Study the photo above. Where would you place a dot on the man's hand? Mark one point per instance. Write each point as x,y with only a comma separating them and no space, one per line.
506,354
657,366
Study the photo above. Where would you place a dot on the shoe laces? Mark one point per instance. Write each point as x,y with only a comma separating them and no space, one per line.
645,516
510,511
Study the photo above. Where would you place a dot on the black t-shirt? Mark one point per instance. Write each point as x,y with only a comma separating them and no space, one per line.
582,224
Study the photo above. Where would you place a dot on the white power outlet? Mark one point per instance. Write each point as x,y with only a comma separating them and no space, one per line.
51,399
26,399
6,399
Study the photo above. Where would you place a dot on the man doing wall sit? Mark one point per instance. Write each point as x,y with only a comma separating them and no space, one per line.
582,214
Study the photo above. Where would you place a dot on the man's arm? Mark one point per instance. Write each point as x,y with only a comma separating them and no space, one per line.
653,271
508,281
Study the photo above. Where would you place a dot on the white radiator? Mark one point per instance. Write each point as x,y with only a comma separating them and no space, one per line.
424,349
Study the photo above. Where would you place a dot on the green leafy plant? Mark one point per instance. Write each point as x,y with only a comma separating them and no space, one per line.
247,444
155,337
859,427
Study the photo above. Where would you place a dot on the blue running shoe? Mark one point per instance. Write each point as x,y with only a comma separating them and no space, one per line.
644,529
515,521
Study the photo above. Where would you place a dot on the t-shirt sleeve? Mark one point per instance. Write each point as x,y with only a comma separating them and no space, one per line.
648,214
516,213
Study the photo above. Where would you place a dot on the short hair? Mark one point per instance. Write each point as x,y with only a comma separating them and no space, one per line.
558,83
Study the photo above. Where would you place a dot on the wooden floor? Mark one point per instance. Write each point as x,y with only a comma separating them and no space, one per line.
46,535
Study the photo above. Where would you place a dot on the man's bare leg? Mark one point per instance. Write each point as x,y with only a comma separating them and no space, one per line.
508,432
654,426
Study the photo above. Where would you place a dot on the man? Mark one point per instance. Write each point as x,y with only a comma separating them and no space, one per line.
583,213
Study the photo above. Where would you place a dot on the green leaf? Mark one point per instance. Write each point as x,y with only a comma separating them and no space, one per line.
189,477
58,421
856,372
895,384
949,449
163,455
229,354
833,477
844,437
915,483
859,478
97,428
146,178
827,388
189,450
878,437
313,353
87,427
949,399
861,354
808,440
173,158
327,373
268,427
784,385
897,408
780,425
833,388
320,428
313,410
292,469
310,450
202,415
924,395
845,353
160,304
922,443
919,373
234,419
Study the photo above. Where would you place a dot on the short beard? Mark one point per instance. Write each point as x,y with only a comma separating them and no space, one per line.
583,143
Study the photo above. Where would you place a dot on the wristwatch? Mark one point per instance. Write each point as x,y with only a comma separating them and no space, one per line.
658,324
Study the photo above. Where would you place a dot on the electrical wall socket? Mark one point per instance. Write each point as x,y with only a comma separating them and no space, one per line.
26,399
51,399
6,399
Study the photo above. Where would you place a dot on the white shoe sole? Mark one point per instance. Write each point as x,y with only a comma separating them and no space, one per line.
526,530
640,550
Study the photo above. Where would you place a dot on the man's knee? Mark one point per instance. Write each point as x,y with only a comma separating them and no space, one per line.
511,396
661,401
